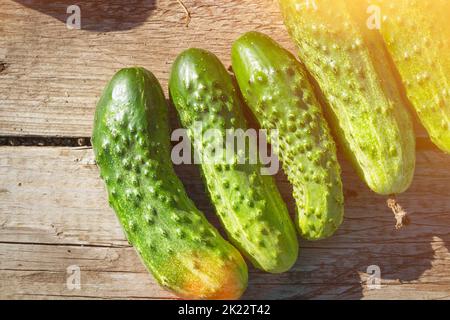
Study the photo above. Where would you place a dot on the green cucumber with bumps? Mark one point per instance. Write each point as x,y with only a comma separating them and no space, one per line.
276,88
248,203
417,35
175,241
366,110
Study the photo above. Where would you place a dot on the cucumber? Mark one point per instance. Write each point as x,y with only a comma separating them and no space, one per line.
175,241
248,203
366,110
417,35
276,88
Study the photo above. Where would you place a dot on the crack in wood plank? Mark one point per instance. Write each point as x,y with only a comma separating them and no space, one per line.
58,244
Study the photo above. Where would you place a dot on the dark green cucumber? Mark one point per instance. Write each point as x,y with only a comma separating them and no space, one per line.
249,204
365,107
417,35
175,241
276,88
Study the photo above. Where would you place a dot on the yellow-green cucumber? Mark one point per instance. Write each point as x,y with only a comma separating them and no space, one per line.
366,111
417,35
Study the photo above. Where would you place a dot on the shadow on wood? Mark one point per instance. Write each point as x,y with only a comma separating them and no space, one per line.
100,16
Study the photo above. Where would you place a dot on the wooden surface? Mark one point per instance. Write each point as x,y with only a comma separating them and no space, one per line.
53,207
54,214
53,75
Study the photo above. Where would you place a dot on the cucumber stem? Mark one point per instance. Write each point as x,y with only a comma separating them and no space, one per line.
188,13
400,214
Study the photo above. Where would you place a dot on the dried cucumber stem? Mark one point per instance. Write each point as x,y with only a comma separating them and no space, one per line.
188,13
399,213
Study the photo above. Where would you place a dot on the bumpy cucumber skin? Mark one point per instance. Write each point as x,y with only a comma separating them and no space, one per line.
248,204
365,107
175,241
276,88
417,36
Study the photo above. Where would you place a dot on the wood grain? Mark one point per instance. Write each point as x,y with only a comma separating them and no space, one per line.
51,77
53,206
54,214
54,76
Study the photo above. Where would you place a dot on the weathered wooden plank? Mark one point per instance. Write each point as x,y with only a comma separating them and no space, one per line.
57,196
51,77
40,271
54,195
54,213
